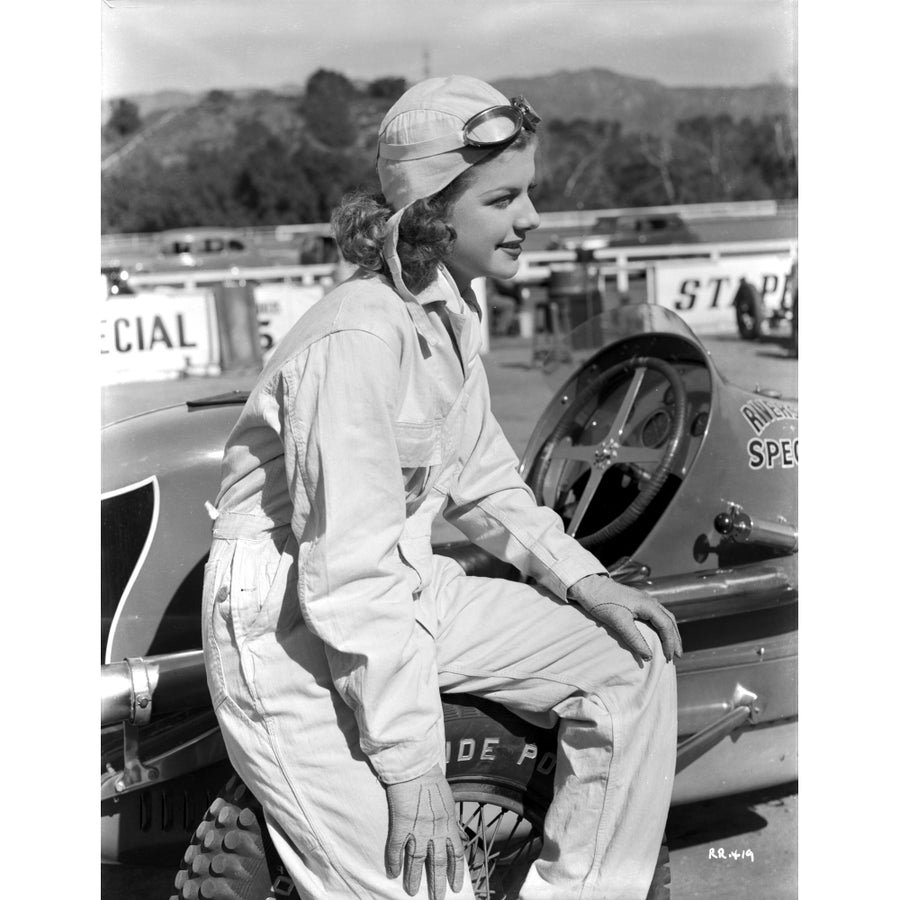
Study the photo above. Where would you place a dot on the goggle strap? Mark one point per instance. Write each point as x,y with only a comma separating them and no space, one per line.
422,149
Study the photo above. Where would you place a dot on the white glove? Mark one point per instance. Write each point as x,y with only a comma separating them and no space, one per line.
422,826
617,606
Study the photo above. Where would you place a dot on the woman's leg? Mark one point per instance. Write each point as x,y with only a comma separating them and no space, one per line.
547,660
289,735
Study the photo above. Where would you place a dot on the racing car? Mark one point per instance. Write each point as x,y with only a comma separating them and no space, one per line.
682,484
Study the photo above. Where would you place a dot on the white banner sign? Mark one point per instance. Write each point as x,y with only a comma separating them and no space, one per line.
152,335
702,291
278,306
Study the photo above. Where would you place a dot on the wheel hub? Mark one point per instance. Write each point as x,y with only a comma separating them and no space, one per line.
606,452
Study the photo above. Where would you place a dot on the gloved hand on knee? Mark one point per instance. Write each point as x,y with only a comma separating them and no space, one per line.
422,829
617,606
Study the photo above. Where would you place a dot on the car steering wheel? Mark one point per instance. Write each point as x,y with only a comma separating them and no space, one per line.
562,448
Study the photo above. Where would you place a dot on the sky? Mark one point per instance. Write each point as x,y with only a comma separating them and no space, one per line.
197,45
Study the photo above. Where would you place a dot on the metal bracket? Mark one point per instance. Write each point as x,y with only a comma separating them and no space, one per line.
143,683
746,708
134,772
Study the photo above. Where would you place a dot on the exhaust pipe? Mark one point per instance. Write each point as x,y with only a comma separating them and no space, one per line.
135,688
725,592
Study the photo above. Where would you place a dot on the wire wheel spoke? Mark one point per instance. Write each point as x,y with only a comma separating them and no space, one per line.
497,843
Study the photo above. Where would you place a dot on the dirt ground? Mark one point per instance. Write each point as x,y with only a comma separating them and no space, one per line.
764,822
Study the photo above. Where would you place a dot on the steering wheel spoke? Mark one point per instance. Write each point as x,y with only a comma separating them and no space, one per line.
640,456
580,452
584,501
617,429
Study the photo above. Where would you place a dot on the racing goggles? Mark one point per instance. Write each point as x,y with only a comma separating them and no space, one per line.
492,127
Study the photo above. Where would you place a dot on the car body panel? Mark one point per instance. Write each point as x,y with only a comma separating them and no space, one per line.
181,448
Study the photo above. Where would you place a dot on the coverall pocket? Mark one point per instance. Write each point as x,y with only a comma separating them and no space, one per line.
238,613
255,566
420,446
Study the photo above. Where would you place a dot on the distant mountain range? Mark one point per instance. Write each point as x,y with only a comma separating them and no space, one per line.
640,104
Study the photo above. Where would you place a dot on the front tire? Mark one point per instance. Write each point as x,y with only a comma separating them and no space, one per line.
231,855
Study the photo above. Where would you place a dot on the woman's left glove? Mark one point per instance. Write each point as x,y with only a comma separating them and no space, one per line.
617,606
423,830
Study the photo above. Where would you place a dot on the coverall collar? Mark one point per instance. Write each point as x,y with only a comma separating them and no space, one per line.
434,292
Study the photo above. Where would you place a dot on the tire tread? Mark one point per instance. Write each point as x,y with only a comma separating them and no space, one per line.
226,859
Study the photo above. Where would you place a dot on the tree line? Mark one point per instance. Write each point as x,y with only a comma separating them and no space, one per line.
264,178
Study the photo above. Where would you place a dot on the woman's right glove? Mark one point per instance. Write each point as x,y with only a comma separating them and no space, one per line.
422,827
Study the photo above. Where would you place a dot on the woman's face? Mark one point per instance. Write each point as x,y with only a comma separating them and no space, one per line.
492,216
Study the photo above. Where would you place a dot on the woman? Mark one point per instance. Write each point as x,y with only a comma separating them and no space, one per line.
329,627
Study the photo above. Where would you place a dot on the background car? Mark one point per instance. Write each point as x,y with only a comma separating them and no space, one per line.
200,248
667,228
214,248
628,231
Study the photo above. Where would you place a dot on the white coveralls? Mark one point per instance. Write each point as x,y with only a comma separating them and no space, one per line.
330,629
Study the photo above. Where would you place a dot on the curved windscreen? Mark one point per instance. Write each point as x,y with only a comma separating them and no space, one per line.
609,328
